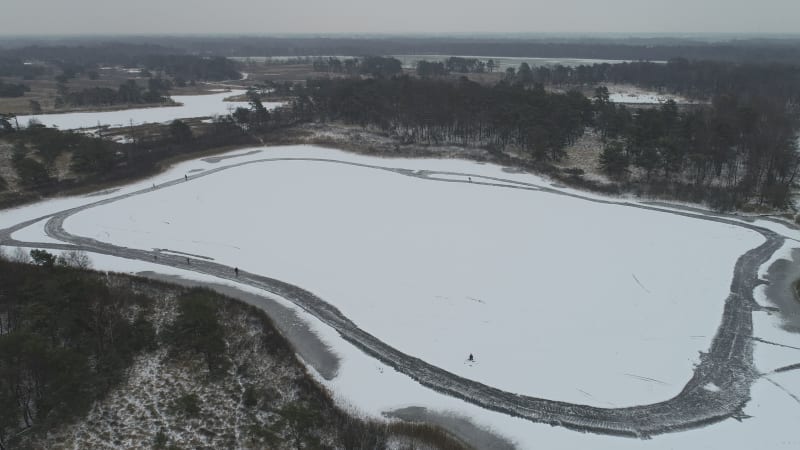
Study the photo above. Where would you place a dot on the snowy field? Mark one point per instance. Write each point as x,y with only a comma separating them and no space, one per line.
192,106
636,95
557,297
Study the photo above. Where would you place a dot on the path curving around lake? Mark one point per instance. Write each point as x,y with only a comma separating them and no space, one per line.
728,364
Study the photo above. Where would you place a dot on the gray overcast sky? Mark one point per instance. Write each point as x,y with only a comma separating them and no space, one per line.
396,16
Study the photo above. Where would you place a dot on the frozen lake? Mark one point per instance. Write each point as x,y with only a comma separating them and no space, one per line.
192,106
543,289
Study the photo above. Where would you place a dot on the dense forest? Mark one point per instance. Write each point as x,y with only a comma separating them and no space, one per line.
69,337
13,66
740,148
13,90
695,79
65,341
128,93
191,67
462,113
376,66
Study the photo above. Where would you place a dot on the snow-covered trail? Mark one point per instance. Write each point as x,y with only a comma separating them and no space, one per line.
728,364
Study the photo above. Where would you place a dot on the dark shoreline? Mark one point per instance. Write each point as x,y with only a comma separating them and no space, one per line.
782,275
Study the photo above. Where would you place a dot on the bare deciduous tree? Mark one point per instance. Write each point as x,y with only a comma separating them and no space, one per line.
75,258
20,256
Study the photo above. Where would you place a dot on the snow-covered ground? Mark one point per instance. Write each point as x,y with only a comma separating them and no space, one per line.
633,94
192,106
556,297
542,289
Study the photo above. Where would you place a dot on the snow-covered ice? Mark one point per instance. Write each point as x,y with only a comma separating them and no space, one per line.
192,106
35,233
543,289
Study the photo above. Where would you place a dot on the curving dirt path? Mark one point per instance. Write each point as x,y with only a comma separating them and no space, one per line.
728,364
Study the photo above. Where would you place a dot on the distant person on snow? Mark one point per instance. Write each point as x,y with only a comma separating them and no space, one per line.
186,177
236,271
187,261
471,358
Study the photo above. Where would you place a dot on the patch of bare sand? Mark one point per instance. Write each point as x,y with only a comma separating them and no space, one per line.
584,154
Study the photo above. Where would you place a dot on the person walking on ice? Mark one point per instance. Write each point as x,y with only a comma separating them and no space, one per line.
186,178
471,358
236,271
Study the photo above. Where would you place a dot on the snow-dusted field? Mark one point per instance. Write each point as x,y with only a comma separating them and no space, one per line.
556,297
192,106
633,94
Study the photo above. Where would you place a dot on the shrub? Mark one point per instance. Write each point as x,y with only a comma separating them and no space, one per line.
75,258
197,329
188,404
43,258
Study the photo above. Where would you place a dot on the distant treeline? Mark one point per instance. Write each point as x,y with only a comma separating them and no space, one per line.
13,90
737,150
16,67
128,93
701,79
659,49
377,66
88,54
454,64
190,67
85,59
696,79
388,66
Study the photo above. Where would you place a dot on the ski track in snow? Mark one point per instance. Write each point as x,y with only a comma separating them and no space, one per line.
728,364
